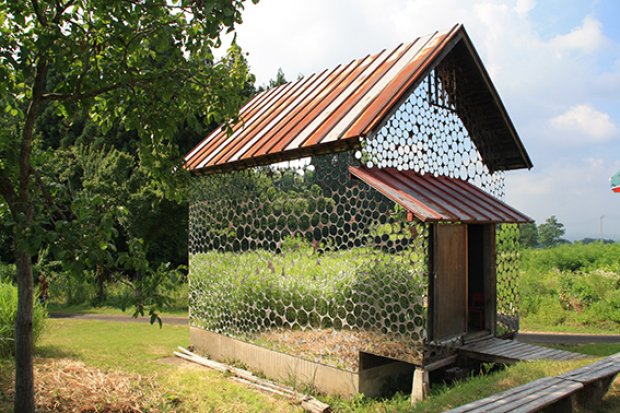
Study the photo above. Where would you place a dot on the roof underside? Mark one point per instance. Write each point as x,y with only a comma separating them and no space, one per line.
437,199
329,111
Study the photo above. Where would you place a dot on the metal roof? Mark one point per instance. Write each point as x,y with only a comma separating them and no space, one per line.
434,199
329,111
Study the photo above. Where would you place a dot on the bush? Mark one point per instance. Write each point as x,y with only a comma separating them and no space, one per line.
7,273
8,311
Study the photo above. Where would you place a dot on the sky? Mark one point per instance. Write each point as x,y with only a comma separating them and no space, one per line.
555,64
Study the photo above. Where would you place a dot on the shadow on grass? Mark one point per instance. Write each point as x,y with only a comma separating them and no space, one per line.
54,352
69,310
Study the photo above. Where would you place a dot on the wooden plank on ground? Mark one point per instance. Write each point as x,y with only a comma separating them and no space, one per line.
522,352
531,352
513,346
539,355
556,354
510,351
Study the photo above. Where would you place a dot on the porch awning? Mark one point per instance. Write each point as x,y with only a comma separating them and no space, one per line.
434,199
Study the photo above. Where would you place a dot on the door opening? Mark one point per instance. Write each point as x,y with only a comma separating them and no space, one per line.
475,279
481,278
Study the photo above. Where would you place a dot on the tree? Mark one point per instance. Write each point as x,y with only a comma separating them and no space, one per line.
280,79
529,235
143,65
550,233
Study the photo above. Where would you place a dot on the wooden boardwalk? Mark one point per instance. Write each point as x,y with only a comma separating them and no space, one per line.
509,351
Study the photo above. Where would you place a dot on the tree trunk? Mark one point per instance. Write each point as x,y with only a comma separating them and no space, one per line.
24,376
22,208
100,278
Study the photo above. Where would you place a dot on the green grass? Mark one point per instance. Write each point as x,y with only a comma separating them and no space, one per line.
8,314
132,347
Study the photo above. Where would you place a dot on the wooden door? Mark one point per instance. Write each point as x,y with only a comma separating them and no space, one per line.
450,281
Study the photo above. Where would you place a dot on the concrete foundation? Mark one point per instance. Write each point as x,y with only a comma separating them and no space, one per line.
376,375
275,365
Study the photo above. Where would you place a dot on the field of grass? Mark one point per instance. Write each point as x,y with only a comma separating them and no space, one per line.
146,350
571,288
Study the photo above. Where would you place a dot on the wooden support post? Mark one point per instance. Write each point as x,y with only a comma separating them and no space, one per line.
592,394
421,385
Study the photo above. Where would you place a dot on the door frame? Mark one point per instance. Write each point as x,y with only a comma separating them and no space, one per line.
490,281
490,277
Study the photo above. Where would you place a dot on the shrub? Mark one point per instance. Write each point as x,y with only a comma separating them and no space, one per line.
8,311
7,273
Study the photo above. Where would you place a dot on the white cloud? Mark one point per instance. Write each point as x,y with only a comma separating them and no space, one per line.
587,38
523,7
584,121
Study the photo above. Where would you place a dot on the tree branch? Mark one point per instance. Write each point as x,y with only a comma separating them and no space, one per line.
27,135
60,9
46,193
40,16
72,97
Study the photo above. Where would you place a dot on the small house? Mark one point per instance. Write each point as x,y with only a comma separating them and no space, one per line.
350,230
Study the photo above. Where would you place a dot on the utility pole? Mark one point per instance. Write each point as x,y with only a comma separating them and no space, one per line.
601,227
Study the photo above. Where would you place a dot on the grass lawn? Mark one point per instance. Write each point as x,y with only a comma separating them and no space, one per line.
549,323
145,350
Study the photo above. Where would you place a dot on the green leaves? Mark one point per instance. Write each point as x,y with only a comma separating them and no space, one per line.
139,66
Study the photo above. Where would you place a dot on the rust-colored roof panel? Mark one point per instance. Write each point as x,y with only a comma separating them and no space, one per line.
311,112
332,109
206,147
434,199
